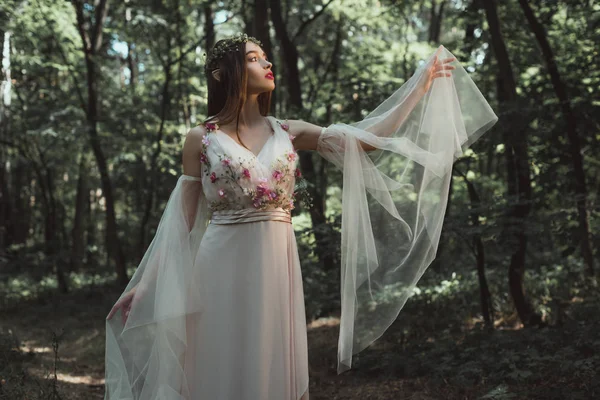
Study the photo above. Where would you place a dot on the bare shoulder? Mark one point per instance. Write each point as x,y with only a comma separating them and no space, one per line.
304,134
192,148
196,134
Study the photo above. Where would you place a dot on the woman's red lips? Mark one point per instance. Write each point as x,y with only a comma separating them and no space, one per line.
269,75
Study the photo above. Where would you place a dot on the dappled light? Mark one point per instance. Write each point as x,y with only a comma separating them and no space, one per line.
476,279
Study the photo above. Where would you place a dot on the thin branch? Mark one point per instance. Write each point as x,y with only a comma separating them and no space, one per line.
310,20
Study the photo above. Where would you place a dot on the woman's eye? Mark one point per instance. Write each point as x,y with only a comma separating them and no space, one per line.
252,58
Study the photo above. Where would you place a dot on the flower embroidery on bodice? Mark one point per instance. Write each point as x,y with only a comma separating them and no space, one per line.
235,178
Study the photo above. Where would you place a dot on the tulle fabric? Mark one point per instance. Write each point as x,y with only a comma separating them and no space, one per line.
394,198
219,311
145,356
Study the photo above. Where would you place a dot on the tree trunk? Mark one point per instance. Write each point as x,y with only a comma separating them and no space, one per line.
487,308
91,45
153,174
517,168
78,231
435,22
261,32
290,59
575,144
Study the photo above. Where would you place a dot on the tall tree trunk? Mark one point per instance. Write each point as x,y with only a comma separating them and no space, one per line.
52,242
435,22
81,200
472,20
575,144
92,42
153,174
21,218
5,204
290,59
261,32
209,26
130,55
91,231
517,168
487,307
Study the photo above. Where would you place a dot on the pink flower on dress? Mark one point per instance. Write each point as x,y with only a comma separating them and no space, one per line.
277,175
292,137
246,173
262,190
210,126
285,127
205,140
203,158
297,173
291,156
263,180
213,177
226,162
221,193
273,195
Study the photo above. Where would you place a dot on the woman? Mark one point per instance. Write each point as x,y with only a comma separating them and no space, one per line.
215,309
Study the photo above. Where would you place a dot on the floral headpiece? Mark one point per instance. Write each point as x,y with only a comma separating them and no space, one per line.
225,46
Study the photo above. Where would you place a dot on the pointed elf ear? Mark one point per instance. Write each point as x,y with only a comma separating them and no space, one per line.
217,74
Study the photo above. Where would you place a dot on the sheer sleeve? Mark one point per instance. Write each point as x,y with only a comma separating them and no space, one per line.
144,356
394,198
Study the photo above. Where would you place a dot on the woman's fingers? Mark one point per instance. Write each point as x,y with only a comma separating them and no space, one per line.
114,309
441,74
125,314
124,303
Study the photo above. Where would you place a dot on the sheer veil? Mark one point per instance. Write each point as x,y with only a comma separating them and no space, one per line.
393,205
145,356
394,198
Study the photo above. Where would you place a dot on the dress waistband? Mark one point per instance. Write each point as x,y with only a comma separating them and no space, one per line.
230,217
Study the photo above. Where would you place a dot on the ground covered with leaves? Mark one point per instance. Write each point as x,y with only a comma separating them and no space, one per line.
52,347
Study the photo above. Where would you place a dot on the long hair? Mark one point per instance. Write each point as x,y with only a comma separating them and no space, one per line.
227,96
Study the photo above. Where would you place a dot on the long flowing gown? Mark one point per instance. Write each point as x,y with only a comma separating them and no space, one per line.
219,307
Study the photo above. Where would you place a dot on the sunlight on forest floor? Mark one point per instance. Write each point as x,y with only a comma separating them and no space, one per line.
421,363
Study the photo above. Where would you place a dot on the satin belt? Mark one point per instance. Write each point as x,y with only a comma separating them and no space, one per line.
230,217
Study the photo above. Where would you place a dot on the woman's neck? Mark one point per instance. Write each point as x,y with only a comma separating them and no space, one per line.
250,115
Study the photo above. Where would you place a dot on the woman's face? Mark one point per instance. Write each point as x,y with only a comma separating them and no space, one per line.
260,77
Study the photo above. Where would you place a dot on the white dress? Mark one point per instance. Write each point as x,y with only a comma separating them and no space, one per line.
253,328
219,307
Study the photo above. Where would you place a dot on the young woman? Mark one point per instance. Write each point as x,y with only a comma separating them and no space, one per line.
215,309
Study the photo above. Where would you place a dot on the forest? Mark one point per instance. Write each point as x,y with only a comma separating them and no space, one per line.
97,98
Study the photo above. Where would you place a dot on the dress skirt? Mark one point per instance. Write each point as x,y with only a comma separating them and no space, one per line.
250,340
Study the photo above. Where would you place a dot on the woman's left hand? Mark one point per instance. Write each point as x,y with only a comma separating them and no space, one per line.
437,70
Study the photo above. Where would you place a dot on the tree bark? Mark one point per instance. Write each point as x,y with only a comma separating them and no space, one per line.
153,174
261,32
487,308
435,23
517,168
92,42
560,89
290,59
78,231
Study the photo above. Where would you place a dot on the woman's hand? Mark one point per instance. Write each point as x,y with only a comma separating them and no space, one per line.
436,70
125,303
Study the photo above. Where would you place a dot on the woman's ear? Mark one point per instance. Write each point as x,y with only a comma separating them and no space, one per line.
217,74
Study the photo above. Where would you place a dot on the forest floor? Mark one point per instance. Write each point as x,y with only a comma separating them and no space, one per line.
557,362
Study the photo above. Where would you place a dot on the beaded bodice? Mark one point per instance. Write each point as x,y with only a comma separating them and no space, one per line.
235,178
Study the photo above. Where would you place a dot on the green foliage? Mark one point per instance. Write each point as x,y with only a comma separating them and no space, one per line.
144,114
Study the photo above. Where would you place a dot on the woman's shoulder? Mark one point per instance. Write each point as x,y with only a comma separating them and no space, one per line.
202,129
283,123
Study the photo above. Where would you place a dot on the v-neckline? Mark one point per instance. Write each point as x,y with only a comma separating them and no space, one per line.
257,155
